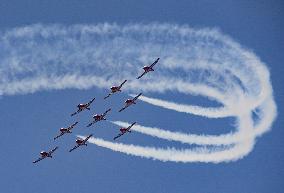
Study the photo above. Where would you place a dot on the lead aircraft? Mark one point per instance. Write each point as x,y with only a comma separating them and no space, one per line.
97,117
115,89
45,154
124,130
129,102
65,130
148,68
83,106
81,142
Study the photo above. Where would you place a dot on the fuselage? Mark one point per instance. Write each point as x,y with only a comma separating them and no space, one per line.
79,141
82,106
123,130
65,130
129,102
44,154
115,89
98,117
147,69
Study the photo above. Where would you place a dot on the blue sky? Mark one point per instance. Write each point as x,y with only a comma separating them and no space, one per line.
30,121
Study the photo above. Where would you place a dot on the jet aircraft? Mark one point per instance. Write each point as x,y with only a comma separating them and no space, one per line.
124,130
66,130
129,102
148,68
81,142
82,107
45,154
97,117
115,89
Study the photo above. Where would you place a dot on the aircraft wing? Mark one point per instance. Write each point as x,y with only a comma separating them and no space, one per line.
87,138
107,96
119,135
58,135
122,108
90,102
75,113
135,98
141,75
39,159
129,127
122,83
73,125
53,150
75,147
106,112
78,111
154,63
90,124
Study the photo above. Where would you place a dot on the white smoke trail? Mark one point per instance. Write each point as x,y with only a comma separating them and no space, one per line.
201,62
209,112
182,155
225,139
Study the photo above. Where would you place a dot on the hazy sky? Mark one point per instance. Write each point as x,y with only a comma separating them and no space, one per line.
32,110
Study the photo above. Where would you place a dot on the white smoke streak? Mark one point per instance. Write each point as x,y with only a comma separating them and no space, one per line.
201,62
181,155
196,110
226,139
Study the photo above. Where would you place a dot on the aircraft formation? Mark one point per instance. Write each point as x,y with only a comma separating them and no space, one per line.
97,117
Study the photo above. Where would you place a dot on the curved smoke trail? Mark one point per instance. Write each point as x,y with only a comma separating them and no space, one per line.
201,62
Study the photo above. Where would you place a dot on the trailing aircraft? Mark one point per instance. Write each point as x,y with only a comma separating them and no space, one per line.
81,142
124,130
97,117
83,106
45,154
65,130
129,102
115,89
148,68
